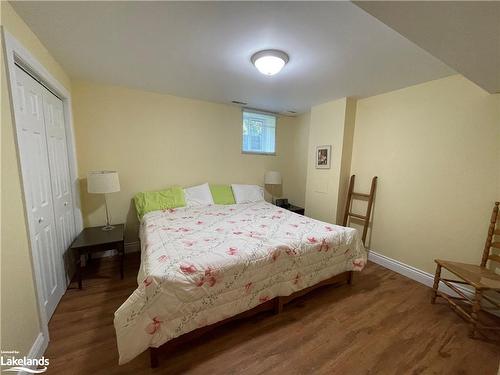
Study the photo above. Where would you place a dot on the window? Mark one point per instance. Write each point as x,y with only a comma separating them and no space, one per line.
259,133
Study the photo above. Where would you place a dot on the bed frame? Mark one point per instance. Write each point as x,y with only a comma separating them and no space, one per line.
275,304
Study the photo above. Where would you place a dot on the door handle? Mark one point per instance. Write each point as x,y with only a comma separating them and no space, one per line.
65,203
40,220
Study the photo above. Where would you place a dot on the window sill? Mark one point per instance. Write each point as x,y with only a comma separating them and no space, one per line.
259,153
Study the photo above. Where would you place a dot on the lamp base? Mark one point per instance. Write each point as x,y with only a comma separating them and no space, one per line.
108,227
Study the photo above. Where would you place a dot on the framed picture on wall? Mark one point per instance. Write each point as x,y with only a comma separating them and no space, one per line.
323,156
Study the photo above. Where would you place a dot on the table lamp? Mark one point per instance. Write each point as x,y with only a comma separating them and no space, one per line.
272,178
103,182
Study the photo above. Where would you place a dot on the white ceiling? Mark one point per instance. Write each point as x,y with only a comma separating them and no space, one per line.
202,50
463,34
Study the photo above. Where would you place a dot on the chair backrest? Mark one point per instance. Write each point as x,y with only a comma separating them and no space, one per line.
490,243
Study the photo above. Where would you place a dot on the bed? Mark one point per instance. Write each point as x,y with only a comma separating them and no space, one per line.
205,264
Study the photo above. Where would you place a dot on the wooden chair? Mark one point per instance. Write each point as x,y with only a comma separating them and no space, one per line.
478,277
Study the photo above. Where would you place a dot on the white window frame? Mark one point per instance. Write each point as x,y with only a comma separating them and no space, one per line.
249,110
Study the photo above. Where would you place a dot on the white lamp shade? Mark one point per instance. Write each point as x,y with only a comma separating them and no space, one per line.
101,182
272,178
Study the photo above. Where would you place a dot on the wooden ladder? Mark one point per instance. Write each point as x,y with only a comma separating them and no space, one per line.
353,195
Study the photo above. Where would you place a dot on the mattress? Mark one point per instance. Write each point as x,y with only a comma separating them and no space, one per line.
201,265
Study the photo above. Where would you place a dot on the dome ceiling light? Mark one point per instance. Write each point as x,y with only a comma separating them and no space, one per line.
270,61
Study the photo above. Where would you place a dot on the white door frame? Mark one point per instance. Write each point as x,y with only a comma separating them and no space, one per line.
14,51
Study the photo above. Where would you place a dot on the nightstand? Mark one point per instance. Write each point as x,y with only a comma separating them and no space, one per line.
94,239
296,209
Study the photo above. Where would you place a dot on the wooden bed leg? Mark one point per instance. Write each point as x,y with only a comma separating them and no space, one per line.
278,305
153,357
350,278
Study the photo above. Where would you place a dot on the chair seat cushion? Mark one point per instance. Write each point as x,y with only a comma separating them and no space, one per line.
478,277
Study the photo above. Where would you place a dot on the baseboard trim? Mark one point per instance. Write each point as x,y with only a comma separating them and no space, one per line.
413,273
420,276
37,350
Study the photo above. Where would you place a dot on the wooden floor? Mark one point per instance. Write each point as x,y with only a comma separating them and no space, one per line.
384,324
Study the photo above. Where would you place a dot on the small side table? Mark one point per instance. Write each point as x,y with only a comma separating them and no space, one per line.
296,209
94,239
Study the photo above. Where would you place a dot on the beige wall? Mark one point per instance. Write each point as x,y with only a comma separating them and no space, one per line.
435,148
296,166
19,312
155,141
326,128
332,124
346,158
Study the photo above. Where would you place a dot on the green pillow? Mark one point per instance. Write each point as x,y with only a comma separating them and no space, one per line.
222,194
158,200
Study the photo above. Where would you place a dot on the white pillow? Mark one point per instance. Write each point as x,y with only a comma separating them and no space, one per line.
198,195
247,193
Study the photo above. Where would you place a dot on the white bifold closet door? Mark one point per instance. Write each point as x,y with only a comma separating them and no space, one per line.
59,169
44,161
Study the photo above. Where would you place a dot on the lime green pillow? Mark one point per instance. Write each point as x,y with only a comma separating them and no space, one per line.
158,200
222,194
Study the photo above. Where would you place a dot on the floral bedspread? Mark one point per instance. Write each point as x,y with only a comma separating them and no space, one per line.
201,265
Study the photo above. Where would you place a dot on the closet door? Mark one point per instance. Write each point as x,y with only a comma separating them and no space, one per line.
38,191
59,170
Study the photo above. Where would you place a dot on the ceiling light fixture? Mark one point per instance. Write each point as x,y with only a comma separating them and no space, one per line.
269,61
